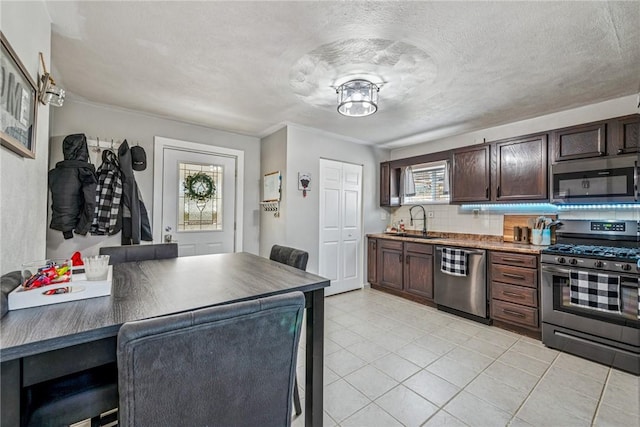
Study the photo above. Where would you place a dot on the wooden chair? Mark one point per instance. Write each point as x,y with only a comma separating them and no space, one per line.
229,365
298,259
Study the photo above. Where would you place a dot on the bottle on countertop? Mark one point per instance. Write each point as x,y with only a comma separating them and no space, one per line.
402,225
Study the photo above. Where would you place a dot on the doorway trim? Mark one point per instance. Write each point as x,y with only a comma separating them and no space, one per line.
159,144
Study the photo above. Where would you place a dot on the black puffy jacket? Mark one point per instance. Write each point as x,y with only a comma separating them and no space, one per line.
73,188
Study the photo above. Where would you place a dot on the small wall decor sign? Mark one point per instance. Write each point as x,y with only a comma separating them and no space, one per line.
304,182
18,103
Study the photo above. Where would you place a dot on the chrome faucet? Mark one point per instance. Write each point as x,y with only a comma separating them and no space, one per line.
424,218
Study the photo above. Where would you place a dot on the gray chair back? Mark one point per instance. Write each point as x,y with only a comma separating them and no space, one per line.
128,253
229,365
8,282
290,256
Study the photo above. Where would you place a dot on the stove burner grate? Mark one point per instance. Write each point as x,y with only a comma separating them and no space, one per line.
592,250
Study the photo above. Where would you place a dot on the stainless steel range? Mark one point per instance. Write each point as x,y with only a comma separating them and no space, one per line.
590,300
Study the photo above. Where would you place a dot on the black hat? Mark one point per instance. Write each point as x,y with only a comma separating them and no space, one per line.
138,158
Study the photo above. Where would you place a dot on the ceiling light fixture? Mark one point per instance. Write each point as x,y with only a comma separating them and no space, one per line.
357,98
48,92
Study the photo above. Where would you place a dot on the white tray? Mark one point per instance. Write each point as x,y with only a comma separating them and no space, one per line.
81,288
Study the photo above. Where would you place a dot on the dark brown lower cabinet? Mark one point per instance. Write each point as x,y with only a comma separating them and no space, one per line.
372,254
402,268
390,263
514,292
418,269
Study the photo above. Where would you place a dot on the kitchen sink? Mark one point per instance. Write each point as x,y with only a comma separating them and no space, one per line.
413,236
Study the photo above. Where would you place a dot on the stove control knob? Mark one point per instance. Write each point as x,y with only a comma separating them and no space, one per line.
561,260
626,267
598,264
573,261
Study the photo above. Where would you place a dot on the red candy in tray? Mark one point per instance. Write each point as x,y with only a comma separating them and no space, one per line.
47,272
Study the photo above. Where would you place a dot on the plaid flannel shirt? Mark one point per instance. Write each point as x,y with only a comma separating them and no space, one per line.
108,198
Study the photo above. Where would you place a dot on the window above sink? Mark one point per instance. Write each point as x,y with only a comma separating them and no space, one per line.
430,183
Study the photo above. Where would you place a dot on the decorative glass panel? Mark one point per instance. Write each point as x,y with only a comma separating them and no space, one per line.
200,205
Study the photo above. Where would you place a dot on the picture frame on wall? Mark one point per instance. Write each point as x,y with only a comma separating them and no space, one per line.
18,103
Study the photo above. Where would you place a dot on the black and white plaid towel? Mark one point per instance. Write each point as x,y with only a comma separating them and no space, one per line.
597,291
454,262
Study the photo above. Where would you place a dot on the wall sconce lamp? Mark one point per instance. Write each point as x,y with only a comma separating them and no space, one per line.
48,92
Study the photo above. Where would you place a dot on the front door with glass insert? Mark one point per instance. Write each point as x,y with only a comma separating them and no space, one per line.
198,209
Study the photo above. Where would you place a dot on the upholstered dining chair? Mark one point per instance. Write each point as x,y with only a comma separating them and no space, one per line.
8,282
290,256
79,395
90,393
76,397
295,258
127,253
229,365
64,401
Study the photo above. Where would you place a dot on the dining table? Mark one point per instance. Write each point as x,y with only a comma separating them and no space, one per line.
38,344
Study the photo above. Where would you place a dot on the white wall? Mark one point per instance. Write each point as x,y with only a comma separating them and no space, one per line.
305,148
590,113
23,182
273,158
138,128
449,218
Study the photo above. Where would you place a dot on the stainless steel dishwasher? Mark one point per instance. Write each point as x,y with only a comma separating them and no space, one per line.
464,295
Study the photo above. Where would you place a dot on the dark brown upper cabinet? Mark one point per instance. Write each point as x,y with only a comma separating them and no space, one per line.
626,134
521,169
579,142
385,194
613,137
389,185
471,174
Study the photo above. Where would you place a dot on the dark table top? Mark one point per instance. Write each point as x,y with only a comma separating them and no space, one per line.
146,289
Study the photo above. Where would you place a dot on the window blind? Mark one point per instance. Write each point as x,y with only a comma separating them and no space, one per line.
429,184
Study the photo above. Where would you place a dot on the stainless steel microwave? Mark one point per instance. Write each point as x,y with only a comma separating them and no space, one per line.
611,180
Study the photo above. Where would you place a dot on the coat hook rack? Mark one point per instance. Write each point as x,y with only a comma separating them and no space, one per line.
271,207
96,144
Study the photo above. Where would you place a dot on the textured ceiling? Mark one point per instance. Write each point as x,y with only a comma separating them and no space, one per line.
249,67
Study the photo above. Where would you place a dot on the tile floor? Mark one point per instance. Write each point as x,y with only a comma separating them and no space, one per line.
392,362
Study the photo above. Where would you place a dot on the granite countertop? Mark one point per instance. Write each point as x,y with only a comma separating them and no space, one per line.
478,241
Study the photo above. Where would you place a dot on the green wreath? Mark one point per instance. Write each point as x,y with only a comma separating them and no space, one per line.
199,187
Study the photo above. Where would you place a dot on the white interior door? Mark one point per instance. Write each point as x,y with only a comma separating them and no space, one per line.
340,254
205,226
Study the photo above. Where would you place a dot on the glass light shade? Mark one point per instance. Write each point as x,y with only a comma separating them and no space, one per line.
54,96
357,98
49,92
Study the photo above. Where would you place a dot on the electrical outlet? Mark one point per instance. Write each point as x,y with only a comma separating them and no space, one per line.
430,214
383,215
476,213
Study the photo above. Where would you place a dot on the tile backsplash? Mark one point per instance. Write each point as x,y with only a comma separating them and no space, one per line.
452,219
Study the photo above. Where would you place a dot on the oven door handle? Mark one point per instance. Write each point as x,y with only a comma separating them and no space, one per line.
553,269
